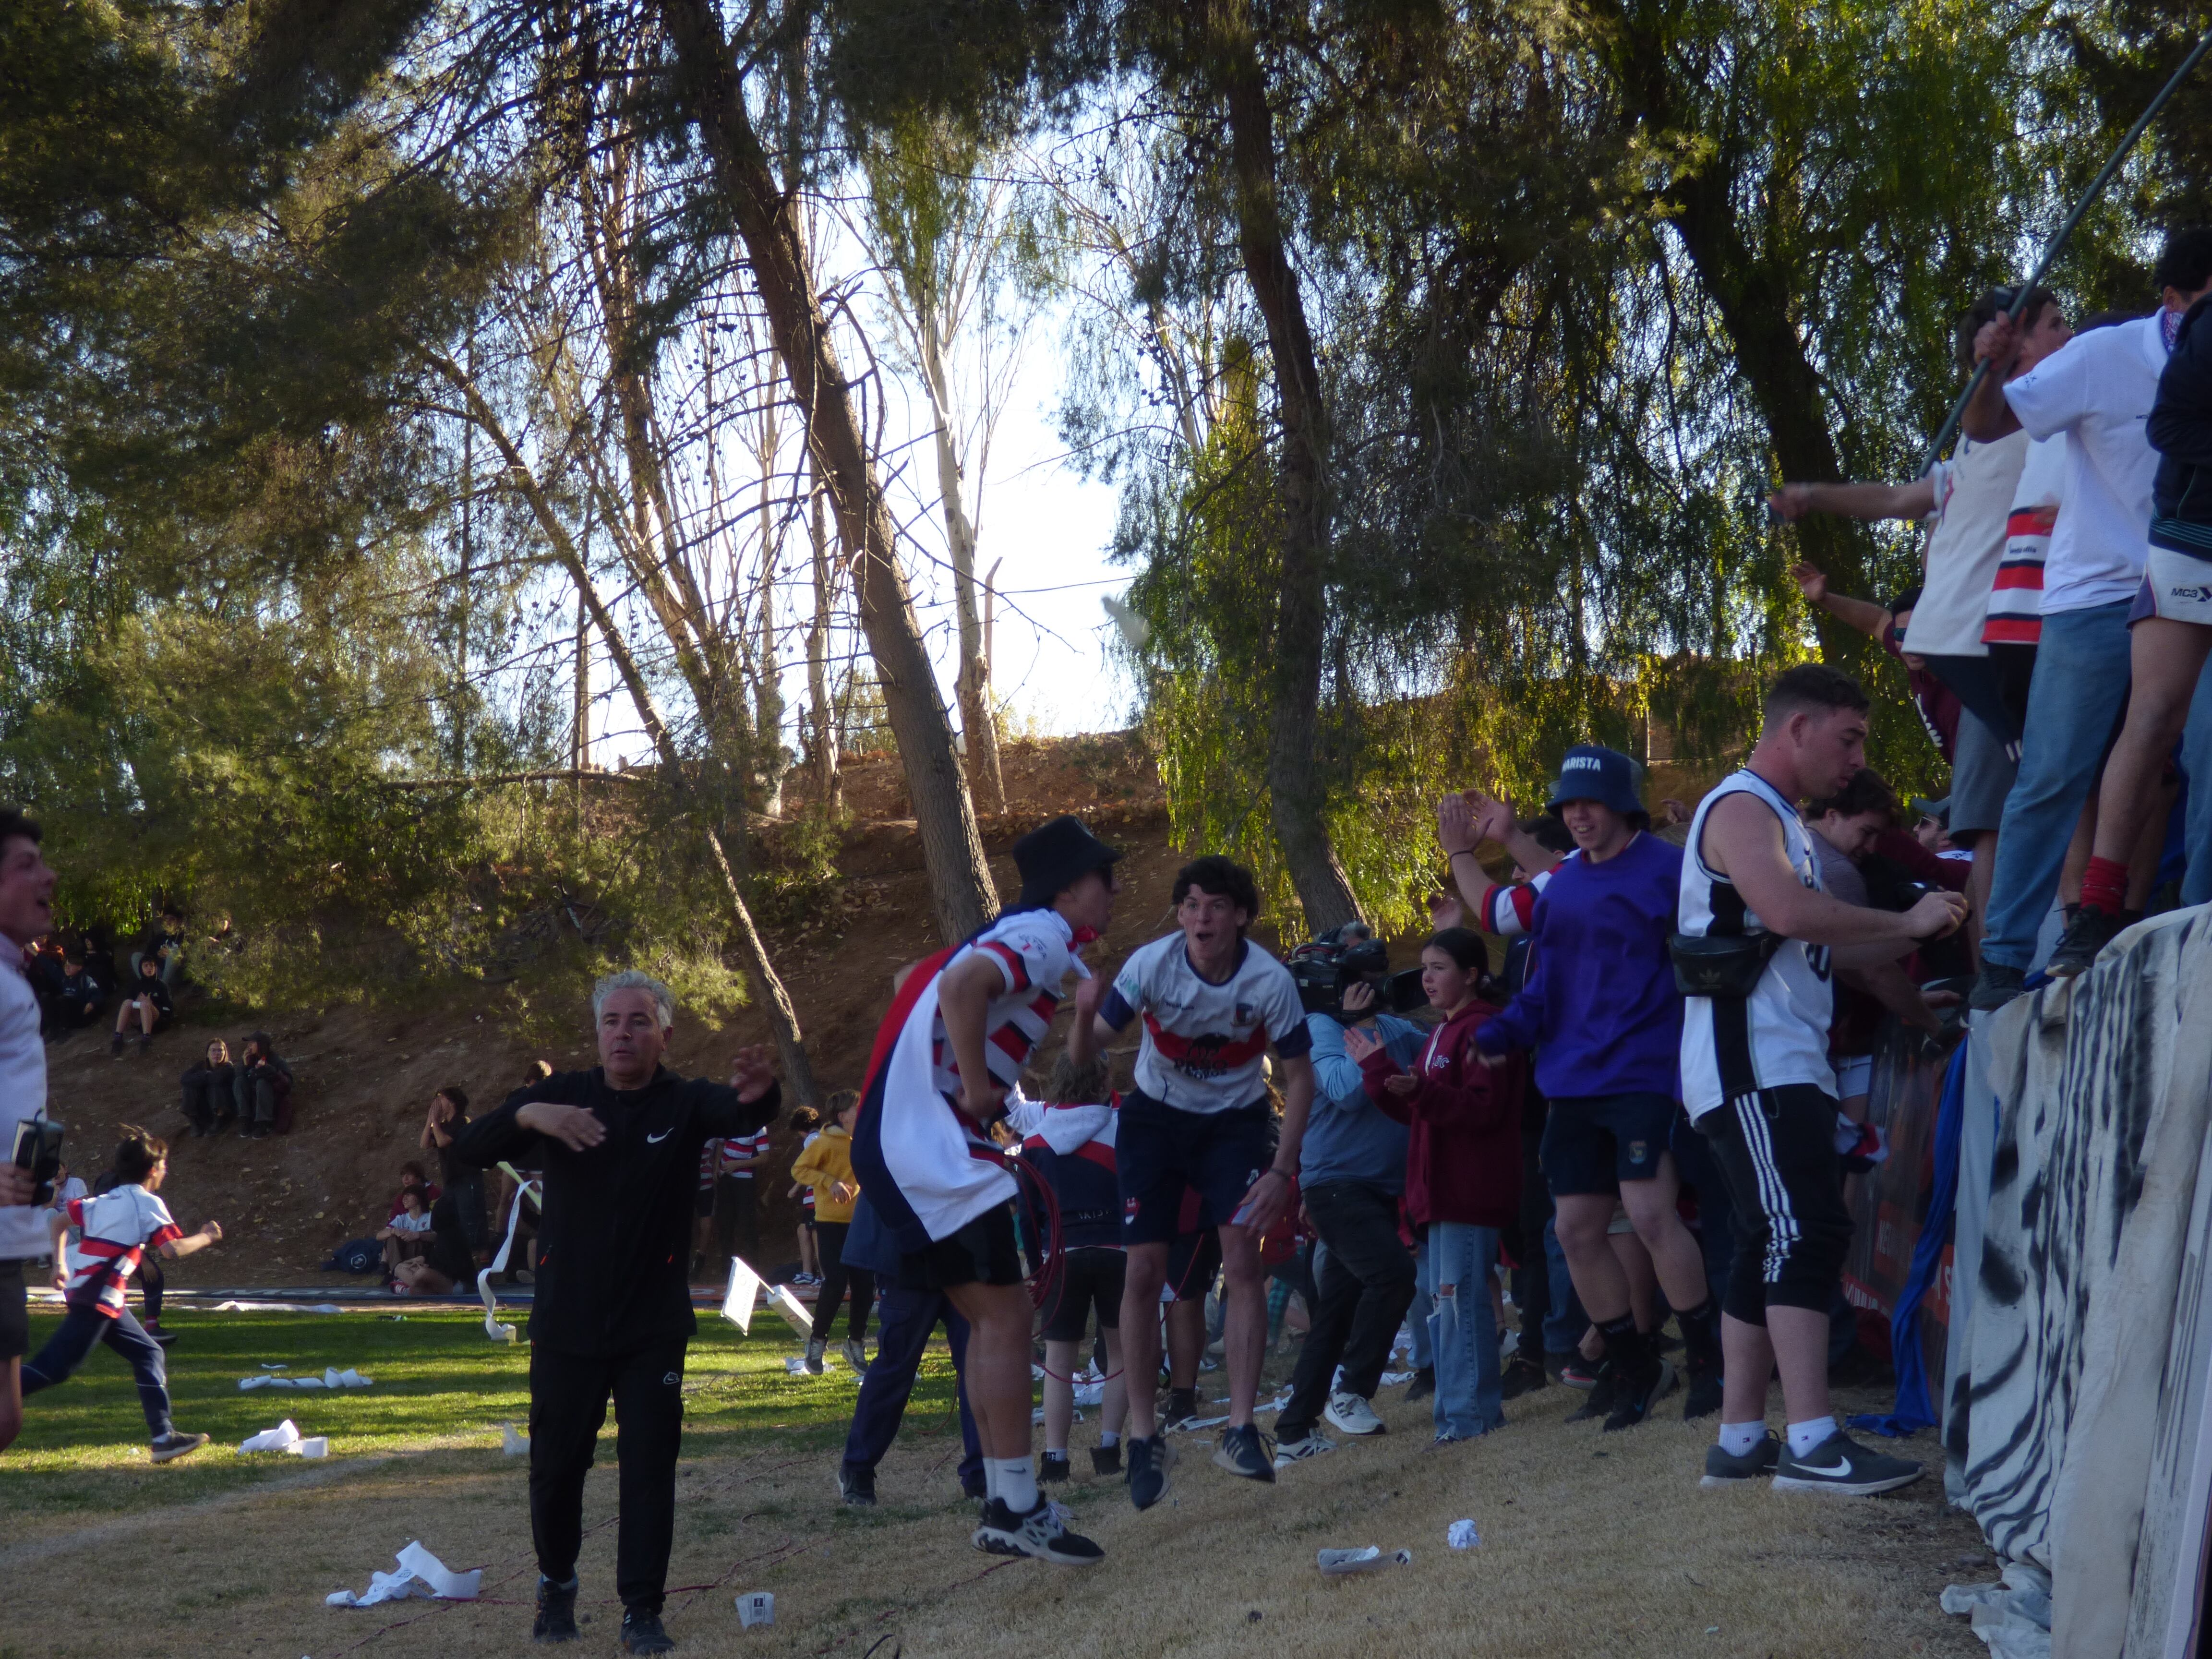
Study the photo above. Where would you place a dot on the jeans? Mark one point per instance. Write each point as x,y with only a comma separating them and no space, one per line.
1362,1285
909,1316
1463,1330
1420,1310
2073,708
1565,1322
2197,761
81,1329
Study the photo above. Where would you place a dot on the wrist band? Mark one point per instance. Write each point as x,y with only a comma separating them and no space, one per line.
1459,852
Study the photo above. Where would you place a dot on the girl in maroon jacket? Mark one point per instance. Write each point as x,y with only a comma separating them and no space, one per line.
1463,1172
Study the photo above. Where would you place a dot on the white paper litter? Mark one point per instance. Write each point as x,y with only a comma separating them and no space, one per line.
1461,1535
1036,1416
513,1444
278,1307
1338,1563
494,1328
285,1437
1392,1379
315,1445
2012,1617
796,1314
421,1573
743,1296
1197,1423
795,1366
756,1608
330,1378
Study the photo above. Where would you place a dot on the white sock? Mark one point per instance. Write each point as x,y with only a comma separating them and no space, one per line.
1737,1439
1109,1437
1017,1482
1060,1452
990,1478
1804,1436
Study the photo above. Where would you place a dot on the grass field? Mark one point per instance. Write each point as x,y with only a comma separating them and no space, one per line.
1592,1544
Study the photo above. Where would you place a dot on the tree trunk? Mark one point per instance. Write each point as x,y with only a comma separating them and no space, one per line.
1295,787
765,215
828,784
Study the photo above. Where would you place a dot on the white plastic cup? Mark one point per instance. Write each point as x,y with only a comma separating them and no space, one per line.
756,1608
316,1445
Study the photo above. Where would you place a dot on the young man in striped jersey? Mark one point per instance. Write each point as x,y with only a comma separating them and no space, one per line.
1756,1078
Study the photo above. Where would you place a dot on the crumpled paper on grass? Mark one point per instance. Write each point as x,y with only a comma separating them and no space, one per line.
2013,1617
285,1437
421,1573
333,1377
278,1307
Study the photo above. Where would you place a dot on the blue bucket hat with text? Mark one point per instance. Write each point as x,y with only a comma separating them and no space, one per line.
1591,771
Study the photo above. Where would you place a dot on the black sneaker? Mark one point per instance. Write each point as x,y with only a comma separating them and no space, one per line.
1997,986
557,1612
973,1486
115,1046
1052,1468
1041,1532
2090,933
1521,1376
856,1485
1702,1396
1722,1470
173,1445
1839,1464
1423,1386
642,1632
1106,1459
163,1337
1182,1410
1633,1403
1243,1451
1603,1390
1149,1463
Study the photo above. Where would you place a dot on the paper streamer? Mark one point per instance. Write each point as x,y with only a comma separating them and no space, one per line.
285,1437
330,1378
493,1326
420,1573
278,1307
744,1294
513,1444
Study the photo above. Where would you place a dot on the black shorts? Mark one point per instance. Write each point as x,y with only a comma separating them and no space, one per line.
1090,1279
1194,1263
1592,1143
1163,1151
15,1313
985,1251
703,1204
1776,1152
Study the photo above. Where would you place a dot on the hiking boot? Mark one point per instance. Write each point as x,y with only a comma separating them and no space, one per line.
1041,1532
642,1632
1602,1394
1521,1376
1244,1451
856,1355
1632,1402
1423,1386
1839,1464
1052,1468
2090,933
856,1486
1312,1444
1722,1470
813,1361
1106,1459
1578,1372
173,1445
557,1612
1353,1415
1182,1410
1997,984
1150,1460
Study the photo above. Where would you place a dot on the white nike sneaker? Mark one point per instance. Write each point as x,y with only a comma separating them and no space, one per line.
1349,1413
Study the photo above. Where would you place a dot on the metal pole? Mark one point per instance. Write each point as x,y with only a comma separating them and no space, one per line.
2051,249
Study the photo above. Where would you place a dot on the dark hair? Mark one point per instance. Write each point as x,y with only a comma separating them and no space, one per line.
1072,1084
140,1152
420,1195
410,1167
2184,264
1864,792
144,963
1465,946
265,1044
458,1095
14,823
1905,599
1984,311
1549,832
1813,686
805,1118
1224,878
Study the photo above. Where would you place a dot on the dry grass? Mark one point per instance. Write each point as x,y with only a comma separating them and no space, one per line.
1592,1546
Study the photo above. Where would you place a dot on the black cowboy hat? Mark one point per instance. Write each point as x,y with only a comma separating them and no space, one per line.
1055,855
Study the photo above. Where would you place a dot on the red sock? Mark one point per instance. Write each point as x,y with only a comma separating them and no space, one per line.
2105,886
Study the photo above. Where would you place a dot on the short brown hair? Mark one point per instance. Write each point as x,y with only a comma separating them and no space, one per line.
1865,793
1071,1083
1810,687
136,1158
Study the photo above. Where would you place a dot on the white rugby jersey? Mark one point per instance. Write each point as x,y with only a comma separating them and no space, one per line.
1204,1043
1035,950
1778,1034
119,1225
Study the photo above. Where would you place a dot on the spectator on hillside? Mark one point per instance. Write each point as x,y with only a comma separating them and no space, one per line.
264,1087
414,1178
147,1007
445,1264
77,997
164,942
210,1097
408,1234
463,1181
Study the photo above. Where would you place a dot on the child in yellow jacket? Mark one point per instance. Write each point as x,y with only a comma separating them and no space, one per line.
827,1166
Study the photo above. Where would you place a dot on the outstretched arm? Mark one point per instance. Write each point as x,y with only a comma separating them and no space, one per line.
1865,615
1854,500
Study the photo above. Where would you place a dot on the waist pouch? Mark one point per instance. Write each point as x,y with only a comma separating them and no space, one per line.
1726,965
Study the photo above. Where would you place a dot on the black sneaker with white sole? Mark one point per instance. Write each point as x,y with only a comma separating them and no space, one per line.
1722,1469
1633,1400
1041,1533
643,1632
557,1612
1182,1411
173,1445
1243,1451
1840,1465
1312,1443
856,1485
1149,1463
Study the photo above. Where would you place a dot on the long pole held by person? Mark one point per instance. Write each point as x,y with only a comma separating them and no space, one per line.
2051,249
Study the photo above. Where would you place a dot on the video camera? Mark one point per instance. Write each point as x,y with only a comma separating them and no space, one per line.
1326,968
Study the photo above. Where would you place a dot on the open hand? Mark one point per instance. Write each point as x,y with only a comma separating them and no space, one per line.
1456,827
572,1125
1811,582
750,1074
1359,998
1445,910
1401,1084
1359,1044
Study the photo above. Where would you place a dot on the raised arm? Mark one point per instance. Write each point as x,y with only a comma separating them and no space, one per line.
1854,500
1864,614
1989,416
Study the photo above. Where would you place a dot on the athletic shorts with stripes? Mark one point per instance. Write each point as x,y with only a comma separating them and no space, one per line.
1776,1150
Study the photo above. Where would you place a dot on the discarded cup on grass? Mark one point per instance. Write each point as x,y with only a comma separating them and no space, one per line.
756,1608
512,1443
1461,1535
1339,1563
315,1445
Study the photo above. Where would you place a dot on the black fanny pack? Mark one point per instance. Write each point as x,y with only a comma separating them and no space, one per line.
1726,965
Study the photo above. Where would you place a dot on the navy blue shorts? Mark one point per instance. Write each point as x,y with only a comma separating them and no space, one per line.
1592,1143
1162,1152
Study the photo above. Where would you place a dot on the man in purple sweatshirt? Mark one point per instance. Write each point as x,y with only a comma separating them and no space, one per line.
1600,1010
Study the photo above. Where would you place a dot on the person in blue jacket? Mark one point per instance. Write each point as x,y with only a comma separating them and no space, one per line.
1602,1013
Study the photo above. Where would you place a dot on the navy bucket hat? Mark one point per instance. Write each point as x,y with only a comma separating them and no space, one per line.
1591,771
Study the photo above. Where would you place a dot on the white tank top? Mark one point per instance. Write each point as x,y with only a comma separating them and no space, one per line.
1778,1034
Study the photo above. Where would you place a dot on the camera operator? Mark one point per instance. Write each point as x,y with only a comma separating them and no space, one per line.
1352,1173
26,911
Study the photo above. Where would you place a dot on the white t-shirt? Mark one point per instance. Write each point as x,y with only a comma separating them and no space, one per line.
1973,493
23,1234
1206,1044
2097,389
404,1222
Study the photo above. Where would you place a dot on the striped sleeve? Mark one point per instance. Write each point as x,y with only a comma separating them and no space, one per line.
1509,911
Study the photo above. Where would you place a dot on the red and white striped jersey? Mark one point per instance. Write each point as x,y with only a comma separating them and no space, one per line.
738,1148
1034,951
118,1226
1509,911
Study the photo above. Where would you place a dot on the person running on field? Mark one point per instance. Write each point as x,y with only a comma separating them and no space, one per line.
118,1228
1600,1010
1763,940
1211,1002
961,1028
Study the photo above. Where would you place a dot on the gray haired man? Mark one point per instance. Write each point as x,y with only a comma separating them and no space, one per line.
612,1316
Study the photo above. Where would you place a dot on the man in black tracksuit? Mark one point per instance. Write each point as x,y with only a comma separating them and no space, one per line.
620,1147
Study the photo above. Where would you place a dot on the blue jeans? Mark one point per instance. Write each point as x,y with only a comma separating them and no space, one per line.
1565,1322
82,1330
1420,1310
2073,708
908,1317
2197,761
1463,1331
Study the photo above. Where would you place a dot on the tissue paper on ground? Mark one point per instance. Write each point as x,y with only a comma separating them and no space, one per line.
420,1573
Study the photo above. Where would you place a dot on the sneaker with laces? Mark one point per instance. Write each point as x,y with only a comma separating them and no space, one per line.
1182,1410
557,1612
1149,1461
1701,1394
1353,1415
2090,933
173,1445
1633,1400
1423,1386
1722,1470
1041,1533
1840,1465
1244,1451
1997,985
643,1632
1602,1394
1052,1468
813,1361
1288,1452
856,1355
1106,1459
856,1485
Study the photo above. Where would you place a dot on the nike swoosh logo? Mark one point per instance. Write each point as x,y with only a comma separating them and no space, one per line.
655,1141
